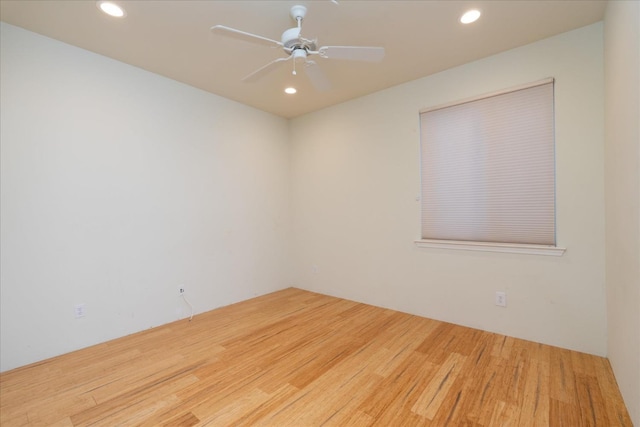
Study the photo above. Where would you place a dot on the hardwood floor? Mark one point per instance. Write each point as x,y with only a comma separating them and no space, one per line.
295,358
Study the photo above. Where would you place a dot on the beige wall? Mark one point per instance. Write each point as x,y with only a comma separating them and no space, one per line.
119,185
622,185
355,183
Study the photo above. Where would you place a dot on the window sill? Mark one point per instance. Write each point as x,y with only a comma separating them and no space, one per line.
513,248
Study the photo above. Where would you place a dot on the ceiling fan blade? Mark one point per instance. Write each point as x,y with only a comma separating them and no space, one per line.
260,72
355,53
242,35
317,77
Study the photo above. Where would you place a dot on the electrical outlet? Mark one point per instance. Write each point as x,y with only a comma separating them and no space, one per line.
79,310
501,299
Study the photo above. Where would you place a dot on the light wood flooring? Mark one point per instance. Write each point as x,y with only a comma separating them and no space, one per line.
296,358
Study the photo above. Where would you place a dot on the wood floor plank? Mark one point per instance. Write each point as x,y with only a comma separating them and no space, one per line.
502,346
227,411
592,408
566,414
135,405
514,378
183,420
262,411
398,392
481,389
401,341
562,385
298,358
609,387
504,415
535,404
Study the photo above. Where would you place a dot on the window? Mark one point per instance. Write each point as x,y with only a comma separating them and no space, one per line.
488,172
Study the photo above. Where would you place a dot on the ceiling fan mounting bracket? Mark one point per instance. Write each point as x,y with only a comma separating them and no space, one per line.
298,12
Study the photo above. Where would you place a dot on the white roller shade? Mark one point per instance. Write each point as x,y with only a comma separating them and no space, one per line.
488,168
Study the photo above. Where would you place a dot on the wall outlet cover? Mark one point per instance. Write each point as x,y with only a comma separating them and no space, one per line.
79,310
501,299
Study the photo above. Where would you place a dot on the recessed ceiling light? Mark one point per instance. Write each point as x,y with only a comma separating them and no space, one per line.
470,16
111,9
290,90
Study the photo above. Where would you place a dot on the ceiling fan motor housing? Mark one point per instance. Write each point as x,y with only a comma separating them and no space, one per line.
291,37
292,41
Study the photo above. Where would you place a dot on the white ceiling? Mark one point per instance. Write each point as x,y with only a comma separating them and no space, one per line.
172,38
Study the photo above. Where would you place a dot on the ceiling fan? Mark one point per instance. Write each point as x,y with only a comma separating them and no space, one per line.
300,49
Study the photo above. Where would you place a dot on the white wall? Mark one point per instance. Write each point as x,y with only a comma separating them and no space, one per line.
355,183
622,185
117,186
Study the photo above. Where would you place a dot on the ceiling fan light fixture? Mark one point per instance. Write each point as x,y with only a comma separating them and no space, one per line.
470,16
290,90
111,9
